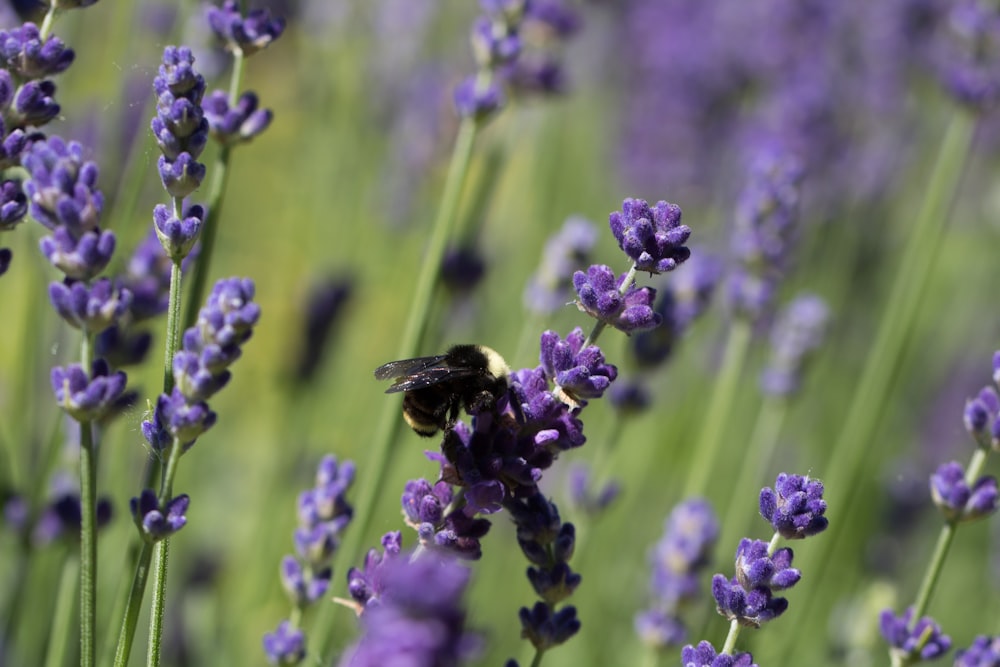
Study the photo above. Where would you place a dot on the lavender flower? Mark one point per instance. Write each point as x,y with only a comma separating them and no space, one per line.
369,583
456,532
179,126
156,522
178,236
677,559
967,61
984,652
957,500
922,641
580,373
83,397
798,332
795,507
13,202
549,288
982,416
92,308
419,618
244,35
601,297
286,645
26,55
704,655
584,497
237,124
653,237
62,515
475,101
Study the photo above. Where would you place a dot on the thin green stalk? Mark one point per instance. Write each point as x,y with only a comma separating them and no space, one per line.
162,551
717,416
48,22
734,634
88,527
130,618
372,474
59,631
537,660
853,448
173,336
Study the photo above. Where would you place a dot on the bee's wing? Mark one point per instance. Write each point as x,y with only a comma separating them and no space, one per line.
404,367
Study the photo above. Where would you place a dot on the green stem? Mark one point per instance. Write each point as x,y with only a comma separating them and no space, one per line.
88,526
48,22
59,631
537,660
173,329
734,633
373,473
717,415
162,551
131,617
853,449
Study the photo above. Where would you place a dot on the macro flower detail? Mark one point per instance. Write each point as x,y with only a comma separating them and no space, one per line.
156,522
80,258
580,373
87,397
237,124
750,608
457,532
704,655
984,652
174,416
795,507
13,202
178,236
956,499
756,568
92,308
29,57
368,583
179,125
245,35
653,237
601,296
419,619
923,641
286,645
982,417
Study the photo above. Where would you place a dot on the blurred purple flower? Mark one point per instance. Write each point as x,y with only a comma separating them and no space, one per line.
923,641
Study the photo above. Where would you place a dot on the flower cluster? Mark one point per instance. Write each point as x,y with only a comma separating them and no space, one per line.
427,509
923,641
652,236
795,509
547,26
797,333
967,54
418,618
684,550
983,652
495,42
201,368
982,413
704,655
324,514
245,35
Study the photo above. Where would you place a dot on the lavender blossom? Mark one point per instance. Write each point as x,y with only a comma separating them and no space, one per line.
982,417
984,652
795,507
923,641
87,397
237,124
92,308
580,373
475,101
369,583
601,297
957,500
419,618
178,236
13,202
799,331
61,517
244,35
455,532
677,559
967,63
179,126
549,288
156,522
704,655
26,55
653,237
286,645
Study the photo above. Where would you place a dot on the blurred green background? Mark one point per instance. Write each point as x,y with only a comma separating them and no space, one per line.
317,195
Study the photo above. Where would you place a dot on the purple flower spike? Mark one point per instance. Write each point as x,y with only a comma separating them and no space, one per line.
178,236
704,655
304,586
911,644
601,297
173,418
369,584
13,202
34,105
653,237
982,417
285,646
182,176
956,500
580,373
25,54
419,619
239,124
5,258
476,103
155,522
80,258
795,507
244,35
967,60
62,186
546,629
93,308
984,652
87,398
494,43
756,569
751,608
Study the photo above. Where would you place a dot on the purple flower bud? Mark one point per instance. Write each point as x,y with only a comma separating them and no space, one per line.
34,105
178,236
546,629
62,186
229,314
984,652
182,176
244,35
24,53
579,373
795,507
756,569
600,296
177,75
535,74
704,655
472,101
13,202
494,43
80,258
368,584
155,522
423,503
629,397
92,308
653,237
462,268
982,417
286,645
911,644
956,500
87,398
175,418
967,59
303,585
61,517
751,608
239,124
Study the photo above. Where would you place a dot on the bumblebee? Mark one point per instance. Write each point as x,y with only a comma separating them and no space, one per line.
473,377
